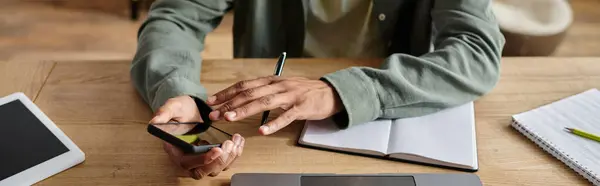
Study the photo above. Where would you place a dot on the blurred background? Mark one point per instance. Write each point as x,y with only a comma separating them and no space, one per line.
88,30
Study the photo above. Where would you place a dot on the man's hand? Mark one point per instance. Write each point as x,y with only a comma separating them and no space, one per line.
184,109
179,109
210,163
303,99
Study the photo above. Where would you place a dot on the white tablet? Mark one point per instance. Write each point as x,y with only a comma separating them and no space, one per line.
32,147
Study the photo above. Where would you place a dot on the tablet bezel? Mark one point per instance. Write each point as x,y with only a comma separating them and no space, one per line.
49,167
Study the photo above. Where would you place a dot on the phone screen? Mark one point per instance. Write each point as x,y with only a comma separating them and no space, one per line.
193,134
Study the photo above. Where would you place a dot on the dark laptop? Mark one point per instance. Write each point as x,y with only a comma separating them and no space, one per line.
276,179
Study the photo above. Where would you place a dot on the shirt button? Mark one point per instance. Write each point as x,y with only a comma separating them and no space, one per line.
381,17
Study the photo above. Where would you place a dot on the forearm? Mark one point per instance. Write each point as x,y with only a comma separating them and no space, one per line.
464,65
163,67
167,62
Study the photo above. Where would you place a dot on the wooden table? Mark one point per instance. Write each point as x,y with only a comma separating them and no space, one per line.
94,103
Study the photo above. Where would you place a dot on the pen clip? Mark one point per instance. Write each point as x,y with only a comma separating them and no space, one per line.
279,65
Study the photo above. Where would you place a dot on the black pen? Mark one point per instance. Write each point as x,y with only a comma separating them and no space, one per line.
278,70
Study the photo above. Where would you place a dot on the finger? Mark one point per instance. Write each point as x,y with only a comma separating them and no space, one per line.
233,152
166,112
215,115
198,173
251,94
224,159
232,157
199,166
230,92
238,141
278,123
265,103
195,161
173,152
230,163
174,155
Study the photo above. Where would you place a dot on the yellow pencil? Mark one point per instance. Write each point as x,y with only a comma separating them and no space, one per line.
583,134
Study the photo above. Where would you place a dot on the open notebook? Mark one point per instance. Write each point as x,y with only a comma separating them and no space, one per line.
545,127
445,138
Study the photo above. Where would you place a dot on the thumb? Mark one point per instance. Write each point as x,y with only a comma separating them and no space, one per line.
166,112
162,116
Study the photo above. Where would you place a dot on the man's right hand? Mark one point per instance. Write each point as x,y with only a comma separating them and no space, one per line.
184,109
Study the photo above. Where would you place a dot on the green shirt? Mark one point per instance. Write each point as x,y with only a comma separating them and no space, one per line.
341,29
463,65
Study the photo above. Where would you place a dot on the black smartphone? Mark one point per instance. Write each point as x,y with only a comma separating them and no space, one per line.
191,137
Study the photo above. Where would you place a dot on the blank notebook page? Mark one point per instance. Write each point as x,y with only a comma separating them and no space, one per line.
581,111
448,135
372,136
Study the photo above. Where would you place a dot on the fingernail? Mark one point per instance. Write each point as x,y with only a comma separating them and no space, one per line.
215,115
211,99
264,128
230,115
236,139
157,119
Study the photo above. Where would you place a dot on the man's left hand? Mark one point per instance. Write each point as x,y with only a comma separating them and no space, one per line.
301,98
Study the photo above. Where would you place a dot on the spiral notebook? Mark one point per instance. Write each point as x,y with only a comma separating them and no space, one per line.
443,139
545,126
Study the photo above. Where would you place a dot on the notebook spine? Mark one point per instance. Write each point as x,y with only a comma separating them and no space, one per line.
557,152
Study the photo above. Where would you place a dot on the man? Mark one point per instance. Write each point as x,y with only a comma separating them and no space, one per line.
437,54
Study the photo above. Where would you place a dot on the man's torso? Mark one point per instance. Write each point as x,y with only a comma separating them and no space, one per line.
264,29
341,28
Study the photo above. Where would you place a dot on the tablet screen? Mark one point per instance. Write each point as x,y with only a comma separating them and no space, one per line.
24,140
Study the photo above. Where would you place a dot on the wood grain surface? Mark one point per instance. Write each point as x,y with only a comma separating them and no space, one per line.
96,105
23,77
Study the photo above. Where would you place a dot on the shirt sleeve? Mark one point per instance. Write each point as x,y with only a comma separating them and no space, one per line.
167,62
463,66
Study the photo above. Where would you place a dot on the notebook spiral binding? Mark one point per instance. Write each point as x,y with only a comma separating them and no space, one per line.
558,153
